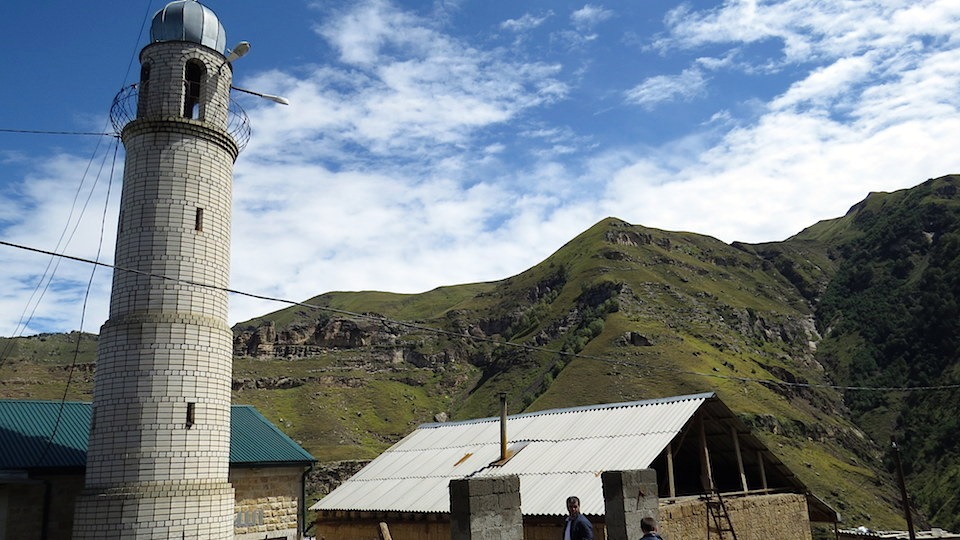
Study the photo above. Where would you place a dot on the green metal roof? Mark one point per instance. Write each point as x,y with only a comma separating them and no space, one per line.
255,441
26,426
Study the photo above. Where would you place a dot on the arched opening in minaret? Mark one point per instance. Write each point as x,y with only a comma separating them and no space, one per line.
193,77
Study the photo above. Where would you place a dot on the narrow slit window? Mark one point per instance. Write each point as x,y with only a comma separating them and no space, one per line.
198,220
193,78
144,87
191,414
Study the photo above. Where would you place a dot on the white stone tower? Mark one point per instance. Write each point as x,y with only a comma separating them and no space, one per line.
158,458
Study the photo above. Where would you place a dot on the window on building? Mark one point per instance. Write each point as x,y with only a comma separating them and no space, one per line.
198,220
143,89
191,414
193,78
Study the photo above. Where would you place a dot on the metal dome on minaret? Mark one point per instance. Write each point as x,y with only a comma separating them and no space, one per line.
188,20
159,448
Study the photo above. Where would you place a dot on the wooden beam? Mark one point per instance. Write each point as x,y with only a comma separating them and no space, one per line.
736,447
706,474
385,532
670,478
763,470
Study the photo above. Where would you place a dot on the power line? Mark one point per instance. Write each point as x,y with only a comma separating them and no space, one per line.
103,221
42,132
46,279
83,313
522,346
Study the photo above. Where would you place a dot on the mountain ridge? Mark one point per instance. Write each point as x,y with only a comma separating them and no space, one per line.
782,331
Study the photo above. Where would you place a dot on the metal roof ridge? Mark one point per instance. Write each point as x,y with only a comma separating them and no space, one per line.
582,408
41,401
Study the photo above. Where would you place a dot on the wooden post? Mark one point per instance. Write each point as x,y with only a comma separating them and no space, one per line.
503,426
706,474
763,470
903,488
736,447
385,532
670,479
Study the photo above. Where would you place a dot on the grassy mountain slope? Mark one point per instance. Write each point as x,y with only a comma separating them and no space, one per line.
624,312
621,312
890,317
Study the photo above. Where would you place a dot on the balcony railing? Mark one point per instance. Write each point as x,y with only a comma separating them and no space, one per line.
126,102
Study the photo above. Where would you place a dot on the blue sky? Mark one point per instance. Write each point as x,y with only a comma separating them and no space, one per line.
431,144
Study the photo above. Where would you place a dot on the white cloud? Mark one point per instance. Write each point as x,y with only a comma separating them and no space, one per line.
61,209
527,22
810,30
407,89
665,88
825,84
589,16
871,123
417,159
454,213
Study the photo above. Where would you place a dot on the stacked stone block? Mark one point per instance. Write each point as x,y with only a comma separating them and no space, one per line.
268,502
628,497
486,509
158,458
756,517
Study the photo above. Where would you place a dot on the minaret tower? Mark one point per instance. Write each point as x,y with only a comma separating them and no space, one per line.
158,458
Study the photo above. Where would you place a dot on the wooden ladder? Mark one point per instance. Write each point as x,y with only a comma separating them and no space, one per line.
718,519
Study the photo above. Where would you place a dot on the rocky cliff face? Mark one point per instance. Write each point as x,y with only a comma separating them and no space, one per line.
383,345
301,340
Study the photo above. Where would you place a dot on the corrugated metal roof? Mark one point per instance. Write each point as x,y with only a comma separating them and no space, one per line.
254,440
567,451
25,428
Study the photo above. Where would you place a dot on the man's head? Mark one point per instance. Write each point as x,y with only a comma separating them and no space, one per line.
573,506
648,524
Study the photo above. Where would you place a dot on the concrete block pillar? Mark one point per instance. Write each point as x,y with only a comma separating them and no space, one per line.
628,497
486,509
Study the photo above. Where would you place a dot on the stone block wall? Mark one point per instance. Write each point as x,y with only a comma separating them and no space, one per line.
267,505
370,530
541,529
486,509
24,507
162,94
754,517
267,502
628,497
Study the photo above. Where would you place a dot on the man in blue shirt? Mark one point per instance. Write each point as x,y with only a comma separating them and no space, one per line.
578,527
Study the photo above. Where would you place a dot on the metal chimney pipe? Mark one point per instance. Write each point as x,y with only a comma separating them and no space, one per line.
503,426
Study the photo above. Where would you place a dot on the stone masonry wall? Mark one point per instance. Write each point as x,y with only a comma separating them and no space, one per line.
370,530
628,497
486,509
25,502
267,501
757,517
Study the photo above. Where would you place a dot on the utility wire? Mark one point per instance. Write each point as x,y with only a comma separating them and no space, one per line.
459,335
76,354
54,263
83,311
41,132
